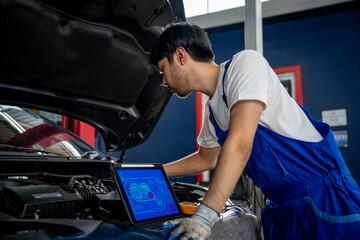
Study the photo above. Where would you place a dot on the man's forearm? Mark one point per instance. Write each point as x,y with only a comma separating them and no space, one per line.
183,167
192,164
230,165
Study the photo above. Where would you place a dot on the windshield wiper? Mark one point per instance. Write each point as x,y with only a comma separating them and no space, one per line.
25,149
90,154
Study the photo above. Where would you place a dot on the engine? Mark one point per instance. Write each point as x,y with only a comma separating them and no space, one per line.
45,195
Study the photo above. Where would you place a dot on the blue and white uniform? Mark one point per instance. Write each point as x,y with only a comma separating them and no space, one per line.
295,160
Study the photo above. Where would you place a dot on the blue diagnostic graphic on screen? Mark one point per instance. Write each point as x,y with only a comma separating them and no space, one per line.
148,193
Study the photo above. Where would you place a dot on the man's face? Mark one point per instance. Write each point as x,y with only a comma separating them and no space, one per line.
175,78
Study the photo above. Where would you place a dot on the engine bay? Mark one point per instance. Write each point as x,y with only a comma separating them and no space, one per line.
58,197
46,195
57,189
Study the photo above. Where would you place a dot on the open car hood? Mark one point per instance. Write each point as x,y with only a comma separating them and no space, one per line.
87,59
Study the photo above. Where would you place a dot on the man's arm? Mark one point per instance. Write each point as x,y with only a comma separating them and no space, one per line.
194,163
244,119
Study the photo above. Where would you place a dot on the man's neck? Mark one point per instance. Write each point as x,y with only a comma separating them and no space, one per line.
206,77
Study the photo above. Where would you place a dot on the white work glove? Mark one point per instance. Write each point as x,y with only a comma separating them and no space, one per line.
198,227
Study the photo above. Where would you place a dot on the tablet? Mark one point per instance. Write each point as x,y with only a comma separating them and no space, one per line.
146,193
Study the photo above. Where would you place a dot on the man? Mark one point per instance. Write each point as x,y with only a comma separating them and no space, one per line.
252,124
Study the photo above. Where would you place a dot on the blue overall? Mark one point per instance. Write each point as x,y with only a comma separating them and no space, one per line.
311,193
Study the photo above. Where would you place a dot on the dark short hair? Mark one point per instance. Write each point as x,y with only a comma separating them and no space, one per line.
191,37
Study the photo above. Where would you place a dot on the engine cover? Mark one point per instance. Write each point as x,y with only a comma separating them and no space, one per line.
39,201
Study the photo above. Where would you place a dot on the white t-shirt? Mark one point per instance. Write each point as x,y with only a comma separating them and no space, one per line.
249,77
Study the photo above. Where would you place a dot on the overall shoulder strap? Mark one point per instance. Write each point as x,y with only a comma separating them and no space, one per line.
212,119
227,64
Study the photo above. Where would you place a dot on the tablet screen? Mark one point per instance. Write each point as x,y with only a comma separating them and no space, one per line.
147,193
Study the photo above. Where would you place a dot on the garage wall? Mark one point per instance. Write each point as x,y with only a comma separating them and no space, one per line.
327,48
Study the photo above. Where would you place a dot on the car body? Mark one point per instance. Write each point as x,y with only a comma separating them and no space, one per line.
88,60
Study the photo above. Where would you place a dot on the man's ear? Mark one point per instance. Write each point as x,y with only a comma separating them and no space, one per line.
181,55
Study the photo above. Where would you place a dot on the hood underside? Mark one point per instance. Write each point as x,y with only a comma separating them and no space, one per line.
87,59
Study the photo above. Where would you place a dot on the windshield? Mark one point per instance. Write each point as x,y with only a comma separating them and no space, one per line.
21,127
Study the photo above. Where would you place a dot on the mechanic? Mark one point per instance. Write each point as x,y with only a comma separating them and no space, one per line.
252,124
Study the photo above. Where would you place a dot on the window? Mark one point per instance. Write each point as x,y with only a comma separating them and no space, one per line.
200,7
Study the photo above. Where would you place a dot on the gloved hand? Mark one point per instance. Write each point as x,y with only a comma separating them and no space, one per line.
198,227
